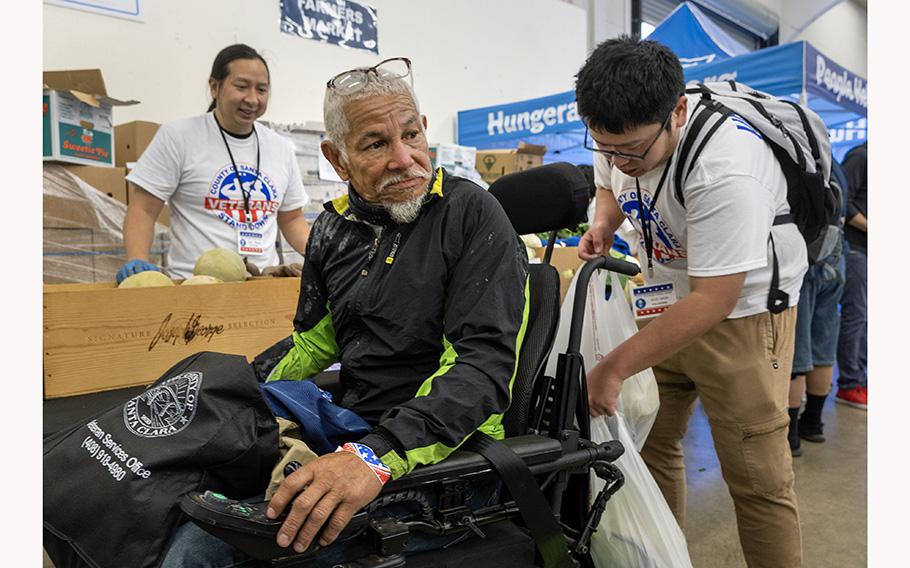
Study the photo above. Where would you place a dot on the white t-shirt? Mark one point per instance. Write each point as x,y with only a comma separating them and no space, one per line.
732,196
188,166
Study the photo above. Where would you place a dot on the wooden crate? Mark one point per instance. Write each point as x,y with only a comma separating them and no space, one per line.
98,337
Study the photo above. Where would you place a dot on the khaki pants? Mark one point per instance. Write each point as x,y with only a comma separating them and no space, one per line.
741,371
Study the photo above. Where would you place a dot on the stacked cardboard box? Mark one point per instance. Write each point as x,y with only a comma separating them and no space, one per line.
83,240
77,113
493,164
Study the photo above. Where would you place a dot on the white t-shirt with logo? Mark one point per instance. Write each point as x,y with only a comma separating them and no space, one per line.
188,166
731,198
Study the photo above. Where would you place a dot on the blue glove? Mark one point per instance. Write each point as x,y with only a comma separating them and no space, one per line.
134,266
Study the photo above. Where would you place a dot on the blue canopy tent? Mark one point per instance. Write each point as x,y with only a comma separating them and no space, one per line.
553,120
796,70
694,38
801,73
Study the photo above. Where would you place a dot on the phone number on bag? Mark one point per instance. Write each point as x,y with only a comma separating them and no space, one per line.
106,460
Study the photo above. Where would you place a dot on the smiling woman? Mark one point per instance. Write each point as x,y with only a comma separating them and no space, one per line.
239,84
230,183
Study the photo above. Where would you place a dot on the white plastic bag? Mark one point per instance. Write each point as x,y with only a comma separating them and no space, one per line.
606,325
637,527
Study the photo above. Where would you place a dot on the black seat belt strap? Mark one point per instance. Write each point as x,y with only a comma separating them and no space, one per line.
534,508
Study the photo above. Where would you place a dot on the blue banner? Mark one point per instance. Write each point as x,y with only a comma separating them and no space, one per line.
826,78
518,121
774,70
845,136
337,22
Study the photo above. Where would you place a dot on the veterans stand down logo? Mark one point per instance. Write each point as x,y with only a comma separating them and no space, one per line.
225,197
165,409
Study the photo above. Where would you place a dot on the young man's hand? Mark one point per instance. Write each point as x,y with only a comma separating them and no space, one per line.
603,390
596,241
328,490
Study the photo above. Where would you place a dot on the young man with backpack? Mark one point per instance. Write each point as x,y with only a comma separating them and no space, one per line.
723,266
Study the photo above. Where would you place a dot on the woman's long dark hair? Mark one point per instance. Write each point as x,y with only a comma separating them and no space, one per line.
220,67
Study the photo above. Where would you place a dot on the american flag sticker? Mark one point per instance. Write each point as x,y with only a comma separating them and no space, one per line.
652,300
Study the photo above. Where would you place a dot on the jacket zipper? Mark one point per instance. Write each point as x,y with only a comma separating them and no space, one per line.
370,255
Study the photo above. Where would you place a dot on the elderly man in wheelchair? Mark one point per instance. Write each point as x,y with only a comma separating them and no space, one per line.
416,282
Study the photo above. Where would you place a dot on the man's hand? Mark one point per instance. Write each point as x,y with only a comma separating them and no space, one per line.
603,390
596,241
330,488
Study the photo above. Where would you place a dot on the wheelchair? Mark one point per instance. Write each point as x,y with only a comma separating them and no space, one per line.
545,515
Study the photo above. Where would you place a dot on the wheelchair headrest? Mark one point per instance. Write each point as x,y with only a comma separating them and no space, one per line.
546,198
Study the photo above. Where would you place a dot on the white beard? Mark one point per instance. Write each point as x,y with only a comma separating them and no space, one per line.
406,211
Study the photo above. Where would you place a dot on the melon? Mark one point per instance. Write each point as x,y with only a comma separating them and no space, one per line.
147,279
223,264
200,279
531,240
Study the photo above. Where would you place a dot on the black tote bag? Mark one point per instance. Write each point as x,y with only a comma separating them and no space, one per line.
112,483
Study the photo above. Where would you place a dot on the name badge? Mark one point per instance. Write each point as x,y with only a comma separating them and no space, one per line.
250,242
653,299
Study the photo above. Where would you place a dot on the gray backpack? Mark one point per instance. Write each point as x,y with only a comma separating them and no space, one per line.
799,140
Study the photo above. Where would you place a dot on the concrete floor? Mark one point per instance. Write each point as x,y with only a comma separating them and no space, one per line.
830,486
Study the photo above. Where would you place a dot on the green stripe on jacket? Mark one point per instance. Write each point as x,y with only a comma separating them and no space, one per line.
492,426
313,351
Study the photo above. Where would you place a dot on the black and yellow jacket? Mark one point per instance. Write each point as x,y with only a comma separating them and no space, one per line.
426,318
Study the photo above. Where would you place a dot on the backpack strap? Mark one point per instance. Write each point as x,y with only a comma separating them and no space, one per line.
711,107
813,142
778,300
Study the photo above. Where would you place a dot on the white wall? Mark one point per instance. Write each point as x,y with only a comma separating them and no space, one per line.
608,19
839,32
465,53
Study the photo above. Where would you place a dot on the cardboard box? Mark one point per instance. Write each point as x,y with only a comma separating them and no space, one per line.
106,180
565,260
131,140
493,164
98,337
77,116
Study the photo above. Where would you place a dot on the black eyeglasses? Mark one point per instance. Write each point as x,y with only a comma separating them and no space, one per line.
353,80
626,155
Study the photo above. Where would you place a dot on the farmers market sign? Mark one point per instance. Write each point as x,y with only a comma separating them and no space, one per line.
336,22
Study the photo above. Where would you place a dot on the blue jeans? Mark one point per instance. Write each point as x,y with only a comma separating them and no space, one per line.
817,318
192,547
851,346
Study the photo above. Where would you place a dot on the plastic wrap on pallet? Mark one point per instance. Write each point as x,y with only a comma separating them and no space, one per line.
83,235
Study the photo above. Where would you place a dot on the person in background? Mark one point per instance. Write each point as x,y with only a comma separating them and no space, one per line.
815,348
230,182
851,345
718,342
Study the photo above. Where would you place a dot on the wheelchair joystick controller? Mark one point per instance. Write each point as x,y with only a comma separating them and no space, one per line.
246,526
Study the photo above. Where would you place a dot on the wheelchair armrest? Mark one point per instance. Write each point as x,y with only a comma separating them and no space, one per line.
463,463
